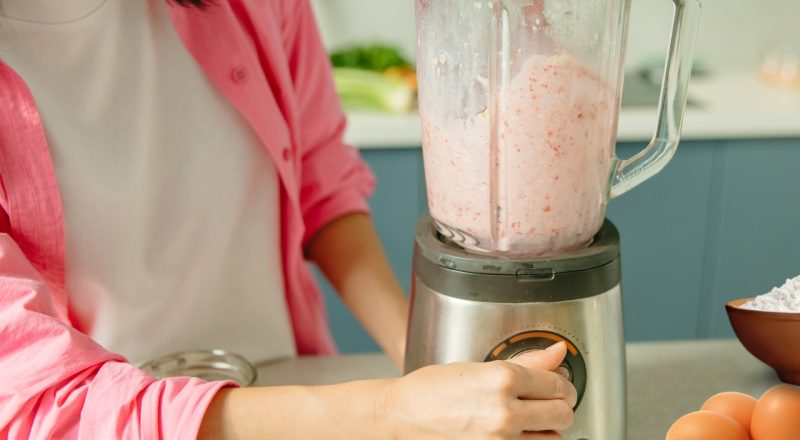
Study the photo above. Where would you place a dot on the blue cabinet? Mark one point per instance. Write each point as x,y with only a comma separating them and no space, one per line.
720,222
753,240
662,226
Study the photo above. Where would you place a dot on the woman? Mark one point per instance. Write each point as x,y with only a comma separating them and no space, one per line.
166,169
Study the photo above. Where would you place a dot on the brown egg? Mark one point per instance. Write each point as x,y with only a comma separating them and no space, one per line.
706,425
738,406
777,414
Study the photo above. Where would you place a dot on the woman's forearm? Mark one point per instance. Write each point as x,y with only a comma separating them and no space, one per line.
499,400
344,411
349,253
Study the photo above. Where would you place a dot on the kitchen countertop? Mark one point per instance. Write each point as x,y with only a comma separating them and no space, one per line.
665,379
729,106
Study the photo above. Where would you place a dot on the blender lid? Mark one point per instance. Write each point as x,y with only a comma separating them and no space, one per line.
440,251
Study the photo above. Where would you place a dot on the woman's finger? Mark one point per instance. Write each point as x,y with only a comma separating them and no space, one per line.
548,359
544,415
536,384
548,435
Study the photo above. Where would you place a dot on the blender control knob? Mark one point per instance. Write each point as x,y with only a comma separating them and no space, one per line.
572,368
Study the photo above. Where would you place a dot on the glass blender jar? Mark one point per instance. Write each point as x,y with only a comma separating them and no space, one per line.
519,101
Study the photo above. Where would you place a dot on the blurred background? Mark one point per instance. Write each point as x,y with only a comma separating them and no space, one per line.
734,34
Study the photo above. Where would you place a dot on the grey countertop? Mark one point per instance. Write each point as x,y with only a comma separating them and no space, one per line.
665,379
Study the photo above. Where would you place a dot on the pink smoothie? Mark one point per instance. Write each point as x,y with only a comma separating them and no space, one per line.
542,188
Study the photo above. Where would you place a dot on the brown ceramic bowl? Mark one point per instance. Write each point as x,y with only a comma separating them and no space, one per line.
772,337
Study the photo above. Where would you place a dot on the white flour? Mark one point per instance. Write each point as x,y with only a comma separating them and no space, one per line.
780,299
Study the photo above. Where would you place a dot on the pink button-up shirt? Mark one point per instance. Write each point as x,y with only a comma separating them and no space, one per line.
55,382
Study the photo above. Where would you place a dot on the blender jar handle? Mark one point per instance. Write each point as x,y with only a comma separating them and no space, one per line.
631,172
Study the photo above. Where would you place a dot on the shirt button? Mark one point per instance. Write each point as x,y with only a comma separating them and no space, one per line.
287,154
238,74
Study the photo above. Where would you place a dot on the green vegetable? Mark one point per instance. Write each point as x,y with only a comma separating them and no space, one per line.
375,57
365,90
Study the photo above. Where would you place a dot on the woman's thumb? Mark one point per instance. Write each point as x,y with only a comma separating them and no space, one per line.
548,359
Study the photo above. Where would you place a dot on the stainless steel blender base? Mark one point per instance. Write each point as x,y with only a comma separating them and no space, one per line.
468,307
458,330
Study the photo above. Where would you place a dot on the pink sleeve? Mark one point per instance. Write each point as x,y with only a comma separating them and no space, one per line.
56,382
335,181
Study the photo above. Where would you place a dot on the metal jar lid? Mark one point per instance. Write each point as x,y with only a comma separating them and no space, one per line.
440,251
453,271
204,364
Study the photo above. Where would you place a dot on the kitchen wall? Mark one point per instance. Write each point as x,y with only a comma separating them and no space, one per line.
734,34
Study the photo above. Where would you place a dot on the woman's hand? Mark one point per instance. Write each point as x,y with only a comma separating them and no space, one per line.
515,399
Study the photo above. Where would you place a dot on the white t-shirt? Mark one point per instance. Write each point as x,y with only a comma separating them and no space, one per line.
171,203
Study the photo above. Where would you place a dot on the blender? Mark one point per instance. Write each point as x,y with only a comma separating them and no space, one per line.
519,101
